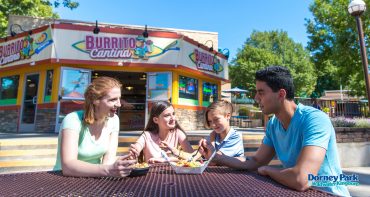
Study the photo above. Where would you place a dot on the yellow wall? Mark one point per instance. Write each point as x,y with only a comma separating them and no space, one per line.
41,69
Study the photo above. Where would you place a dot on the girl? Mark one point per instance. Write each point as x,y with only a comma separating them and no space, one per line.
161,132
88,139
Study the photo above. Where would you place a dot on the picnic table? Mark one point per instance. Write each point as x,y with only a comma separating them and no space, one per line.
161,180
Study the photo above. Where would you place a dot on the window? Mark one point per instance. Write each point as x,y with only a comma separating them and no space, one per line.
48,85
9,90
74,83
188,91
210,93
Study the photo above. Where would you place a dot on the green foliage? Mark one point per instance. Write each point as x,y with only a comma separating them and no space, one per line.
362,122
351,122
326,109
39,8
243,111
250,111
264,49
334,44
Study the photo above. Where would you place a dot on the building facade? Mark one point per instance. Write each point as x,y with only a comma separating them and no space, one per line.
44,73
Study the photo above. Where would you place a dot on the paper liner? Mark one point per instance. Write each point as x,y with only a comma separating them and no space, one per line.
191,170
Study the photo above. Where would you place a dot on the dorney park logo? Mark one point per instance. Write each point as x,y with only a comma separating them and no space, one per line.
205,61
123,47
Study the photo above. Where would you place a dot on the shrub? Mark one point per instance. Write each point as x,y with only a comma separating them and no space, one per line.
362,122
243,111
326,109
343,122
351,122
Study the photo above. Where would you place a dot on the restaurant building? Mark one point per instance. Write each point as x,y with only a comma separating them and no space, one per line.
44,72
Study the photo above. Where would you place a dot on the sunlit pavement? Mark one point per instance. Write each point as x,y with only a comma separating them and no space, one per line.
364,175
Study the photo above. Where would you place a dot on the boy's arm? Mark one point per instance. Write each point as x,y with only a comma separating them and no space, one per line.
262,157
309,162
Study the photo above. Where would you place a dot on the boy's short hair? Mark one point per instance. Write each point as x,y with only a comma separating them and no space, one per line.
222,106
277,77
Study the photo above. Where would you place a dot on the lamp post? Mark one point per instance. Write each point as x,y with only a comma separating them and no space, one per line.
356,8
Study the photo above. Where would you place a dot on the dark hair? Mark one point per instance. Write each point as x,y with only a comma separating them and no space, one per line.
277,77
96,90
157,109
221,105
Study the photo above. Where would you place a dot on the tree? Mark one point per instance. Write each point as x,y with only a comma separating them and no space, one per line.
334,45
264,49
40,8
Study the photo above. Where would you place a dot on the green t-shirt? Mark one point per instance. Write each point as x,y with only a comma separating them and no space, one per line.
89,149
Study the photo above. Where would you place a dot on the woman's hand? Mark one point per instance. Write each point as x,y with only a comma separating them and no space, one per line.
121,167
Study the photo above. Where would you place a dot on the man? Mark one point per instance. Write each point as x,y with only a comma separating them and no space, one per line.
302,137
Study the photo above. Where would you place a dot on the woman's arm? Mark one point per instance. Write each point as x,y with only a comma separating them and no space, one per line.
111,155
137,147
71,166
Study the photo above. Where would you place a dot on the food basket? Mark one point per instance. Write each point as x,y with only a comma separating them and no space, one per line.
191,170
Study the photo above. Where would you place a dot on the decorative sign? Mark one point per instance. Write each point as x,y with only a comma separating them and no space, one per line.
104,47
24,48
206,61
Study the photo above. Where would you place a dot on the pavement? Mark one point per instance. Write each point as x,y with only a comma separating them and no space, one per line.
364,175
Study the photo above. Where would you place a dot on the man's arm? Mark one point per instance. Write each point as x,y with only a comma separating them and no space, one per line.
262,157
309,162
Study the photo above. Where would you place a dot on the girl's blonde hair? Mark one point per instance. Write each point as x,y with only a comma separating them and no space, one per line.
95,91
223,106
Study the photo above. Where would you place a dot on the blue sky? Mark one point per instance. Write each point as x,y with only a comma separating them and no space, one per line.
234,20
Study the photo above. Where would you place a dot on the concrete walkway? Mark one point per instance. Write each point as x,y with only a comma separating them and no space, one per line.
364,175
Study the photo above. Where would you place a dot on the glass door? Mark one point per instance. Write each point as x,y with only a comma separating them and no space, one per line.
72,86
159,88
28,111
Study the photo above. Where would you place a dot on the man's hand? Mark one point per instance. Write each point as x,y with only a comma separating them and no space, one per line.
263,170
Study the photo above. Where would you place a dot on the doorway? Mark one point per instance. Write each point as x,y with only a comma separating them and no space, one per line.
133,96
28,111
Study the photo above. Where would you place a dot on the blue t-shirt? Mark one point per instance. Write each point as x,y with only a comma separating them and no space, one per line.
232,145
308,127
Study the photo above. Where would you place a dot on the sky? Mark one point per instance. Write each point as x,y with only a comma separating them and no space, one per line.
234,20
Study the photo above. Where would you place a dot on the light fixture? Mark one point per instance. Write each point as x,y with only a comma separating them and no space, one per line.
356,8
143,77
129,87
31,85
210,48
20,30
145,33
96,28
226,53
120,63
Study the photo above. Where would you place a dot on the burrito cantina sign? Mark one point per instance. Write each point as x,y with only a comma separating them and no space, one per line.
103,47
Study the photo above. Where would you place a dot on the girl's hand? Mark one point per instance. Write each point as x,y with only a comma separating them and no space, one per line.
134,151
168,148
121,167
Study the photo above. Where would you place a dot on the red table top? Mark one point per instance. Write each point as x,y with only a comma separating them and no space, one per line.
161,180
